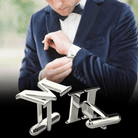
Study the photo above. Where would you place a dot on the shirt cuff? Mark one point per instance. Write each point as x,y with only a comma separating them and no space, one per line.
73,51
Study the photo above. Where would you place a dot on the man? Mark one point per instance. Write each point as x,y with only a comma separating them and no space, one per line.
101,40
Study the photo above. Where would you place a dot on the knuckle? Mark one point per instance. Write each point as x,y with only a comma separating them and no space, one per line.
45,36
48,66
56,71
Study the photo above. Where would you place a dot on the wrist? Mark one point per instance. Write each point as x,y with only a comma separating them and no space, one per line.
67,49
73,50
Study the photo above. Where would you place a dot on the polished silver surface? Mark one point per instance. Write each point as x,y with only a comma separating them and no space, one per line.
30,98
41,126
102,121
91,97
97,122
39,113
75,104
91,94
74,107
41,99
38,97
95,116
87,109
46,84
49,113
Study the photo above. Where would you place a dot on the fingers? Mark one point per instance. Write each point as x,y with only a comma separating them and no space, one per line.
60,77
48,41
45,42
62,69
57,70
57,40
58,63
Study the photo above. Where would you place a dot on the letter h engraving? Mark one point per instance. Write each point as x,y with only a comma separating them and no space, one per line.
75,104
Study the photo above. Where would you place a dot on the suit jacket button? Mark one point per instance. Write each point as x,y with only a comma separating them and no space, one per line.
84,81
74,74
81,79
78,77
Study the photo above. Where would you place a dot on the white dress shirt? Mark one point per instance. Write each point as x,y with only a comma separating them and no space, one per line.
69,26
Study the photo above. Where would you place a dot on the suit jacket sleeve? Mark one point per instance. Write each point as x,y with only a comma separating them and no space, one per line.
30,65
117,76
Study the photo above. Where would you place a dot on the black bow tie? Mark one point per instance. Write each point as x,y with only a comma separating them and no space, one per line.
77,10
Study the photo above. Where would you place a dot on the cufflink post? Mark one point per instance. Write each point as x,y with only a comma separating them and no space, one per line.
40,127
41,99
102,121
39,113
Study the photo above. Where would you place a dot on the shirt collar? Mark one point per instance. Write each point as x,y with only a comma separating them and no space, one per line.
82,3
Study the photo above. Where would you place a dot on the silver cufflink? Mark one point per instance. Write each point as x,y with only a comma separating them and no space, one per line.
95,117
41,99
100,119
44,99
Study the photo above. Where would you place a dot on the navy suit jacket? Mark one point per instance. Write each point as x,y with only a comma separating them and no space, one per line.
107,35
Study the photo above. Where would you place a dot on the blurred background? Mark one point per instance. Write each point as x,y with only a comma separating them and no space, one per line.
14,19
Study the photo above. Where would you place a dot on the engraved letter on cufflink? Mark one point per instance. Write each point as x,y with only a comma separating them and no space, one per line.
46,84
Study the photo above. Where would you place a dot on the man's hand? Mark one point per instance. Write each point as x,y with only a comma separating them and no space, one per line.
57,70
57,40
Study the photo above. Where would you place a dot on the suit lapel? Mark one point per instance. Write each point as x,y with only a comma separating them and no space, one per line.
52,25
89,15
52,21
